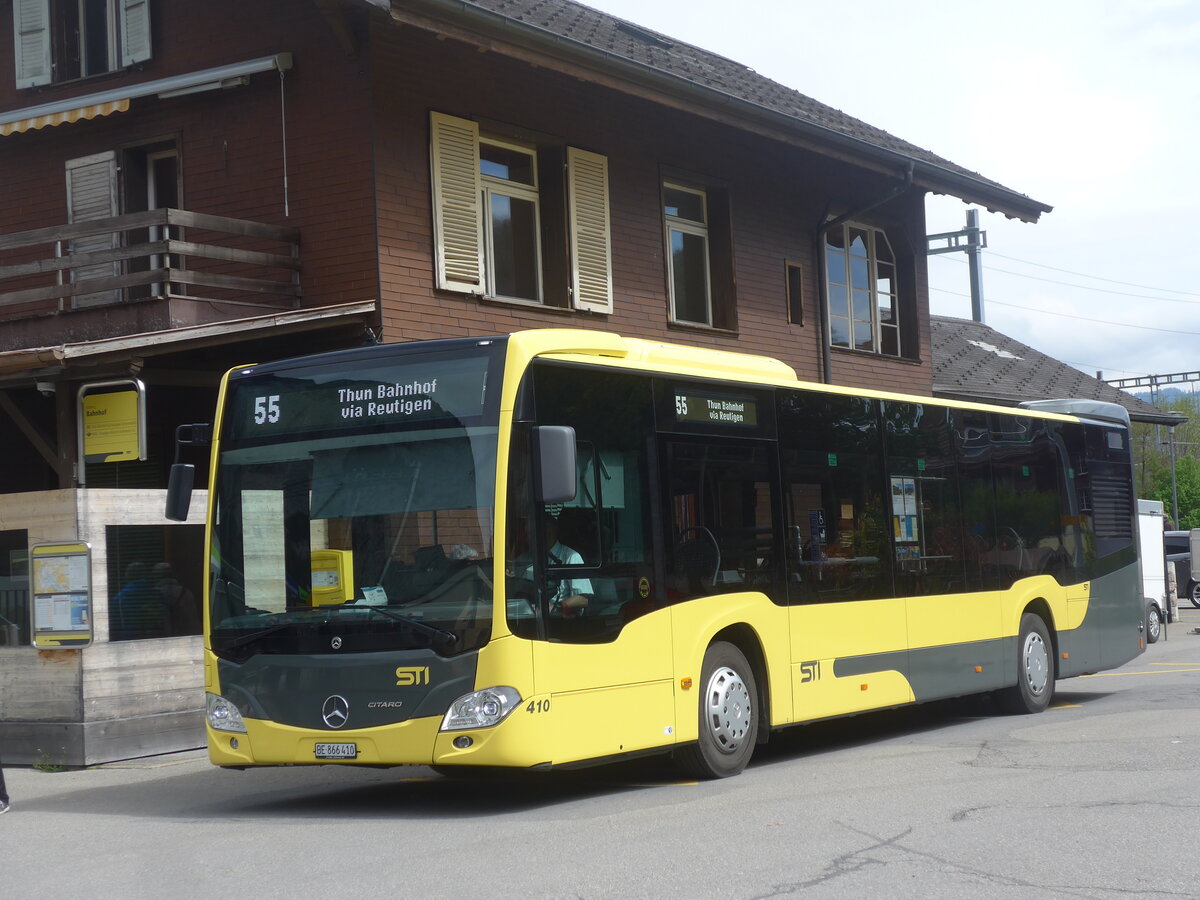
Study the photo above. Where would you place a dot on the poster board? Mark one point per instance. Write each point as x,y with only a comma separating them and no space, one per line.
61,585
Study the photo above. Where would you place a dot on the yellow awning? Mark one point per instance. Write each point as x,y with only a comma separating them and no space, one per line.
66,115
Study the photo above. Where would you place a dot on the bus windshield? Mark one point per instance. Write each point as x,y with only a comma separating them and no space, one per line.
354,505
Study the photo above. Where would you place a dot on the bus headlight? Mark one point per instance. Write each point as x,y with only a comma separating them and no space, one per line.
481,709
223,715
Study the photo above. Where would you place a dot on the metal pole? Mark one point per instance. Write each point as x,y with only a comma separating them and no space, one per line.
976,264
1174,486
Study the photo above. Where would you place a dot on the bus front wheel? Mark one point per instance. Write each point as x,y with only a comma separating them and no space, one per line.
1035,669
728,710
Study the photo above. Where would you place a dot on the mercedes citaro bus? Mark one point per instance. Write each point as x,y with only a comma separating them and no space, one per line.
560,547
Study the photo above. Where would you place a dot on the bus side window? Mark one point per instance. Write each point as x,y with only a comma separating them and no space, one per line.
837,535
931,552
722,521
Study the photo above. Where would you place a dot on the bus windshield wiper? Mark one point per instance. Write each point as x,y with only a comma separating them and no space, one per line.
255,635
252,636
448,638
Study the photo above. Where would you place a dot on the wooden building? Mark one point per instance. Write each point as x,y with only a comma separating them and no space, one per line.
192,186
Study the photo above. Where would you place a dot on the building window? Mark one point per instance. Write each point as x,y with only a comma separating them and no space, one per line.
154,580
685,214
863,309
14,589
510,214
795,292
698,246
518,221
63,40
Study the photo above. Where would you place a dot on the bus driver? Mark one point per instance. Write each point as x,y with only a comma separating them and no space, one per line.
570,596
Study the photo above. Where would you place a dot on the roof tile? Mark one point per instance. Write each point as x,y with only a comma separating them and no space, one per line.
972,361
670,56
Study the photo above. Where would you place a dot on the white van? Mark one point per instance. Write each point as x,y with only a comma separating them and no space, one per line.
1154,568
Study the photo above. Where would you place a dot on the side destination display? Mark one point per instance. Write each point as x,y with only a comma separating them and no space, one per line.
715,409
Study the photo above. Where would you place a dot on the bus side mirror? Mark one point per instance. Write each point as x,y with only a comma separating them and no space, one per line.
179,491
179,484
554,450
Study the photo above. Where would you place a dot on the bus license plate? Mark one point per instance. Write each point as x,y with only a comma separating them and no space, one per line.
336,751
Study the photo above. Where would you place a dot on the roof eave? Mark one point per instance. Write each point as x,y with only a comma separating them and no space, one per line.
926,175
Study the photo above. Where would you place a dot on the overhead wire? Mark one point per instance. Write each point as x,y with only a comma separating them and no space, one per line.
1085,287
1175,331
1051,312
1146,287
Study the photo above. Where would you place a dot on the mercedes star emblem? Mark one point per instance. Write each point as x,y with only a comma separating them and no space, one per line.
336,643
336,711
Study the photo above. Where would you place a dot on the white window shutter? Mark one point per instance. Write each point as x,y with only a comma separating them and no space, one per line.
591,233
457,203
92,194
31,33
135,31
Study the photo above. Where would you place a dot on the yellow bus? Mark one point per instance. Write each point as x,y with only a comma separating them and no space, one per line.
562,547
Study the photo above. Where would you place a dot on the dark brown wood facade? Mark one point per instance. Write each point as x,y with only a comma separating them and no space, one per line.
777,197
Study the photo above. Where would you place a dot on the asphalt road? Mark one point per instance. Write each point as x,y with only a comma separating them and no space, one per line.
1098,797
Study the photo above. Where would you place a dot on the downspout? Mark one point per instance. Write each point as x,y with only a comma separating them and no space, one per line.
822,275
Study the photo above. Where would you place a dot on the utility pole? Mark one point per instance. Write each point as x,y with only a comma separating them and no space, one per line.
1155,384
971,240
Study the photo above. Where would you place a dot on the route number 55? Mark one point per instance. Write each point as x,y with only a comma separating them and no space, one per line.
266,409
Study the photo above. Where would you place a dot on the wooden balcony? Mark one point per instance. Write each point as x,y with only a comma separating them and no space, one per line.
143,271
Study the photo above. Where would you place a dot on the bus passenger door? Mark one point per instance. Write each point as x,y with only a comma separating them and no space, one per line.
724,570
849,630
604,662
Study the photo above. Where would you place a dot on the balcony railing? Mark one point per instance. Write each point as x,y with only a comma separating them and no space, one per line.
161,253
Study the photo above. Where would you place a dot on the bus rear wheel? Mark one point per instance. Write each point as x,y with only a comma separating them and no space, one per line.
1035,669
728,710
1153,624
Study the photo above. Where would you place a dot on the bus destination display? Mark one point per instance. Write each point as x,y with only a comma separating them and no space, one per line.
398,393
715,409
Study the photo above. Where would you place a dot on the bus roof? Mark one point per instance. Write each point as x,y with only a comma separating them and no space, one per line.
607,348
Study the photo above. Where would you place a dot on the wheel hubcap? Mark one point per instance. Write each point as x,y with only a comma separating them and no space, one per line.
728,709
1037,663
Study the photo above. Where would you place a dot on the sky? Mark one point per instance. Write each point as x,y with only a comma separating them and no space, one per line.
1090,106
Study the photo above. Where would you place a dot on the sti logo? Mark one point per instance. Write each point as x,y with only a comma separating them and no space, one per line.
408,676
810,671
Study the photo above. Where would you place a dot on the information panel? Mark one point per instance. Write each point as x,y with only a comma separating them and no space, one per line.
61,585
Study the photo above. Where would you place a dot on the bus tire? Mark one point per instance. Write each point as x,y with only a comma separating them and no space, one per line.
728,715
1035,669
1153,624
